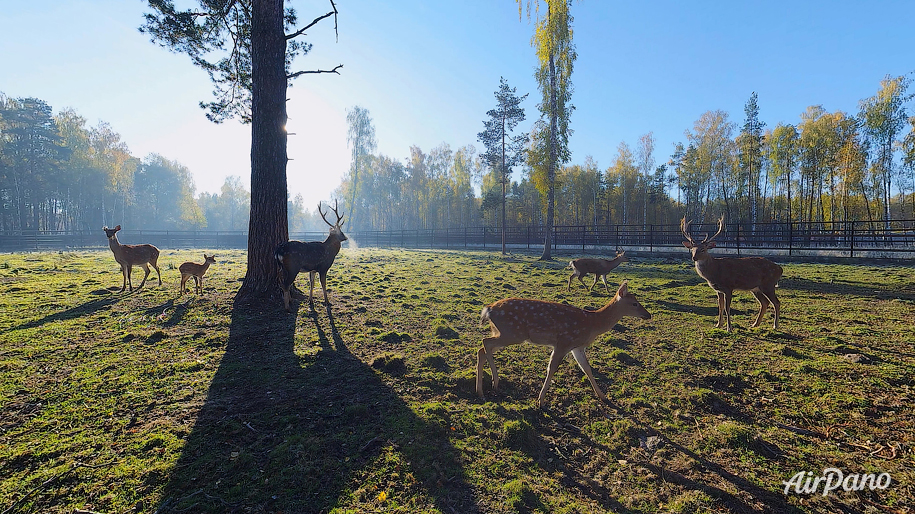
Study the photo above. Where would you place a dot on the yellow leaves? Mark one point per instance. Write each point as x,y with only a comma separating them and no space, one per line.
382,496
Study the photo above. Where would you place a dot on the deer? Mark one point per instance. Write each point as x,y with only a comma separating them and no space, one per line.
192,269
128,256
313,257
600,268
725,275
564,328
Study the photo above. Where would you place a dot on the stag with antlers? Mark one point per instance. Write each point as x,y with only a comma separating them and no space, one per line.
313,257
726,274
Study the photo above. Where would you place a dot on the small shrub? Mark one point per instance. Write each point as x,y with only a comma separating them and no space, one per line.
156,336
436,361
734,435
391,364
518,434
446,332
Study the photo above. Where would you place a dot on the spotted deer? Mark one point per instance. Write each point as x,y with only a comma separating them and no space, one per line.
600,267
313,257
564,328
192,269
129,256
728,274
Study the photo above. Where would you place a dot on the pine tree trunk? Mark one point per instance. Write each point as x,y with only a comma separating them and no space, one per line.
268,224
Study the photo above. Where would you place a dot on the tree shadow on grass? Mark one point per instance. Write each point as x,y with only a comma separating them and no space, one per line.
285,432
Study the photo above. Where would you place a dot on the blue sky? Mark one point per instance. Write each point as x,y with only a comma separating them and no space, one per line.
427,71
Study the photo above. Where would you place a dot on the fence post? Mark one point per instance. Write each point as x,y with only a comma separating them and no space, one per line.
738,239
790,237
582,239
851,241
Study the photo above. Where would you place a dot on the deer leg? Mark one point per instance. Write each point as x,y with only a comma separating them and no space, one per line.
311,288
183,282
604,280
776,304
490,344
551,368
124,278
582,360
763,305
720,308
145,268
323,277
287,289
570,281
198,281
158,273
596,276
727,307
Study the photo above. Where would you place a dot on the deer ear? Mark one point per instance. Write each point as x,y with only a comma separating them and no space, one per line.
117,227
687,244
623,290
711,245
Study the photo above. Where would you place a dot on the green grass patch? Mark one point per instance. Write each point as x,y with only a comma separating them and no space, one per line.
157,401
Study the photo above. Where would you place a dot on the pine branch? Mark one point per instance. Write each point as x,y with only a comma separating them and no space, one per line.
296,74
315,22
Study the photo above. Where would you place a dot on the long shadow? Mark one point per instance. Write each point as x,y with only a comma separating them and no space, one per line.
540,445
862,289
284,432
68,314
751,498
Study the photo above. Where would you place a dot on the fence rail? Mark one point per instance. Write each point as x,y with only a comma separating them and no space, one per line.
832,239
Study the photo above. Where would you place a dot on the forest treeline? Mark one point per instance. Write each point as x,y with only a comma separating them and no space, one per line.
830,166
58,173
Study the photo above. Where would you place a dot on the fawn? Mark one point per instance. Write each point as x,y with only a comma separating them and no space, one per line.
192,269
313,257
129,256
562,327
726,274
600,268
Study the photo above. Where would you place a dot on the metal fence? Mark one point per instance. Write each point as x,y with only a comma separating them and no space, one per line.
830,239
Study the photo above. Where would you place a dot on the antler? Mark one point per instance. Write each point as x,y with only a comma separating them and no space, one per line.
339,222
684,228
720,230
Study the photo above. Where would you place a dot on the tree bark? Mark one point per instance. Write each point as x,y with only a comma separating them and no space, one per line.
268,223
551,165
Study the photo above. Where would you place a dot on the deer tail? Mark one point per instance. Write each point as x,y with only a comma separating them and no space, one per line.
484,316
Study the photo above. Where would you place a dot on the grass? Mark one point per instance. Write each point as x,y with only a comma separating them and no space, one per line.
154,402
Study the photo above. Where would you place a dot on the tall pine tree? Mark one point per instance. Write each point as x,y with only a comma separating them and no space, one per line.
250,75
504,151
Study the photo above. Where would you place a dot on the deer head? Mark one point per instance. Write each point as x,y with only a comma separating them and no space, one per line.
110,232
699,250
336,229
